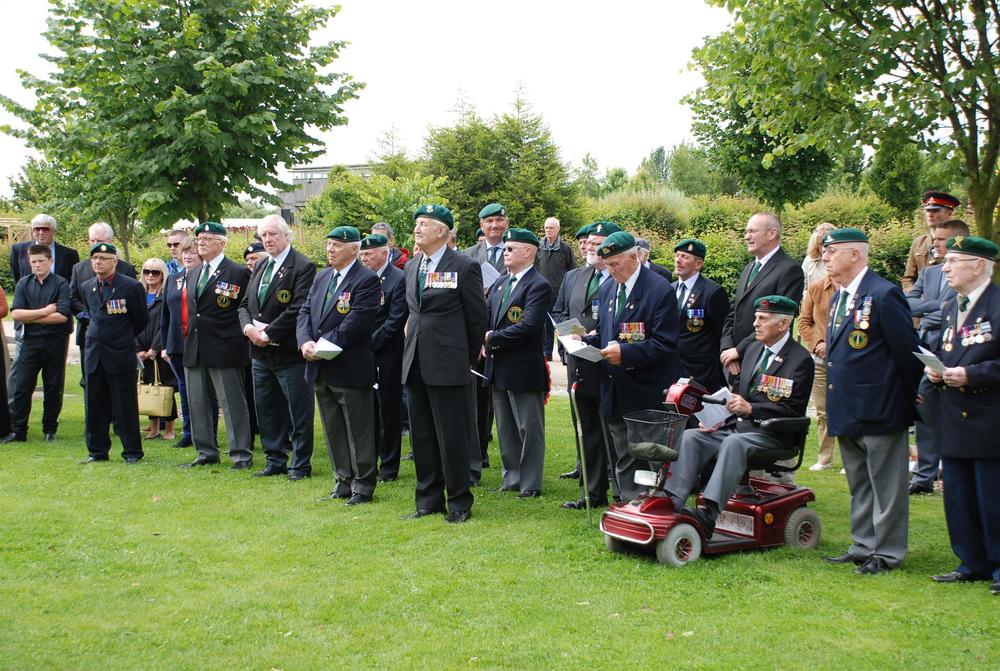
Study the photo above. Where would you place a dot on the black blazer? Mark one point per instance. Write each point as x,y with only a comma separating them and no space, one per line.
514,357
793,363
171,336
447,324
661,271
348,325
781,276
701,333
387,340
289,287
66,258
111,337
82,272
215,338
574,301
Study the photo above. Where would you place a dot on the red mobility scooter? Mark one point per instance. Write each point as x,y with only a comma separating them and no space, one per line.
760,514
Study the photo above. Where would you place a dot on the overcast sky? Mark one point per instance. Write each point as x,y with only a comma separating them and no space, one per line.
607,79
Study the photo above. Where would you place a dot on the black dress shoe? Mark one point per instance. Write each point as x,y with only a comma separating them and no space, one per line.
50,437
241,466
919,490
570,475
388,478
458,516
93,460
200,462
270,471
14,438
183,442
340,495
704,518
846,559
422,512
529,494
358,499
580,504
133,460
954,576
873,566
995,588
298,475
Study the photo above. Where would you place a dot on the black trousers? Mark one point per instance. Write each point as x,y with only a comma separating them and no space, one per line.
47,355
440,431
389,422
595,448
112,395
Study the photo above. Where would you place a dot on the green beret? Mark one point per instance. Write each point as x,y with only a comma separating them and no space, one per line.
844,235
213,227
345,234
780,305
103,248
479,233
693,247
584,231
520,235
493,210
374,241
604,228
438,212
973,246
253,248
616,243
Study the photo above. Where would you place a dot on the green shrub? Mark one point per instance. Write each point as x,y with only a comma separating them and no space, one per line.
722,213
866,212
661,212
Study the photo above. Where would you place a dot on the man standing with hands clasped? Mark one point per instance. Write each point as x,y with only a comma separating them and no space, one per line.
969,422
871,392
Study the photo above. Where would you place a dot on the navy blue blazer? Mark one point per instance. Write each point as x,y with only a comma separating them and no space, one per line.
111,335
925,299
701,332
648,366
792,363
872,375
387,340
969,417
171,336
574,301
514,357
347,323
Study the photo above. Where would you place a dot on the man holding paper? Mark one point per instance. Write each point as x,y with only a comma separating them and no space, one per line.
341,309
969,421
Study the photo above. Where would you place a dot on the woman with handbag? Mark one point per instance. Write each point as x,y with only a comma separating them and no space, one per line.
153,280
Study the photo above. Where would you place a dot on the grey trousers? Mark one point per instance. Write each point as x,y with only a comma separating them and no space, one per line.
877,474
625,465
731,451
225,385
346,413
928,454
520,419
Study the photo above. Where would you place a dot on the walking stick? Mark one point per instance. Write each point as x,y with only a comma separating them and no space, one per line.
579,448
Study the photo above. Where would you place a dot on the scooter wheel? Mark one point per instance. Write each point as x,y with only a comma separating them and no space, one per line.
802,530
615,544
681,546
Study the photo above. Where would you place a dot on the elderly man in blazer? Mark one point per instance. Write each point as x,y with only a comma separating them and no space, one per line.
776,383
637,334
387,345
444,337
702,306
268,314
925,299
969,422
215,350
871,392
771,273
518,307
43,232
341,309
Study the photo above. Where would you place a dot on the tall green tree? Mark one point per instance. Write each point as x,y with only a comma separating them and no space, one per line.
692,173
821,73
173,109
509,159
895,174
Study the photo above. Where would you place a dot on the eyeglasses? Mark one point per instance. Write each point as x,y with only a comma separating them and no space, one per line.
151,271
951,260
173,244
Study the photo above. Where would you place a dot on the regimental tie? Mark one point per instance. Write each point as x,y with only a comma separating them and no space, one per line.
331,291
594,285
621,301
681,295
753,272
507,288
764,361
493,255
265,281
202,281
105,290
963,303
422,276
841,308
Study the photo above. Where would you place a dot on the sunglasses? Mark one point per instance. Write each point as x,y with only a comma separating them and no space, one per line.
173,244
151,271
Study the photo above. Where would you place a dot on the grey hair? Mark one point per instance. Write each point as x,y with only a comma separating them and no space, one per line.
46,219
103,226
382,226
276,219
771,220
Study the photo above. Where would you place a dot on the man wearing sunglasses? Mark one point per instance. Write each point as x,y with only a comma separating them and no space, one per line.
175,239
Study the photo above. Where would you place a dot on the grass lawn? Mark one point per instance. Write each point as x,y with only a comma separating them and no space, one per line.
153,567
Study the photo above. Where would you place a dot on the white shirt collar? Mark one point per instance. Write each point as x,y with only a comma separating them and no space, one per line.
689,282
777,347
519,276
347,269
630,282
213,265
280,258
434,259
852,288
767,257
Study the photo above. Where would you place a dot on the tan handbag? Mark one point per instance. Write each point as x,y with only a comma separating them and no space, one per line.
155,400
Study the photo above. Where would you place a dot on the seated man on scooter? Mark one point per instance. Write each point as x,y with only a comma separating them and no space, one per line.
775,382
